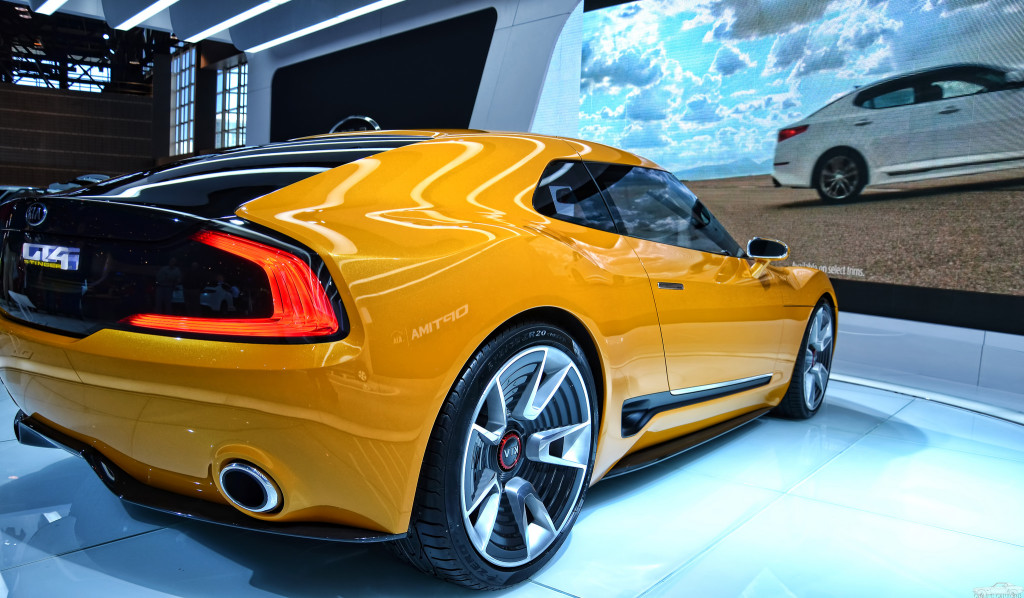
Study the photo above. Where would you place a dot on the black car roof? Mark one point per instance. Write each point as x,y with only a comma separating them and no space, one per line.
931,69
216,184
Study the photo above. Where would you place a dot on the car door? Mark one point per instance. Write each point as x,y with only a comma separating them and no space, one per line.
945,119
881,124
721,326
998,108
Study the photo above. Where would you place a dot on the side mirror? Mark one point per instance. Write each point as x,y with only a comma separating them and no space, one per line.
763,251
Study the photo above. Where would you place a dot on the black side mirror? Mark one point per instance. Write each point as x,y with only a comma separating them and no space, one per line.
760,248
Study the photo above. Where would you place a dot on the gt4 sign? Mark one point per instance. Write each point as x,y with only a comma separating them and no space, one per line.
50,256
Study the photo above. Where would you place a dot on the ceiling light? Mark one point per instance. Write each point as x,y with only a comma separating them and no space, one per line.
50,6
151,10
352,14
239,18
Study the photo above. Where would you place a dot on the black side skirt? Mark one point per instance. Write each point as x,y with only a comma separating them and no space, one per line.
636,412
660,452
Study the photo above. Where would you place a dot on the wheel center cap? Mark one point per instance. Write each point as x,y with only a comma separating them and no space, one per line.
509,450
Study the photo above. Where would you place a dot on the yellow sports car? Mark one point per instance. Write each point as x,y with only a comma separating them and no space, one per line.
438,338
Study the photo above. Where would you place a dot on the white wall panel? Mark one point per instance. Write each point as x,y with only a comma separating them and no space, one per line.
523,42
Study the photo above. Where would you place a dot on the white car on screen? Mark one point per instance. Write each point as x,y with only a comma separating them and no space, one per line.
939,122
1002,589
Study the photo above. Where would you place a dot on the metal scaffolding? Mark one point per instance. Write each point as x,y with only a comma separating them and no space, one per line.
63,51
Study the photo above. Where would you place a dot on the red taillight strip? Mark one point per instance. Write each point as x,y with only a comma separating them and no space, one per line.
301,307
785,134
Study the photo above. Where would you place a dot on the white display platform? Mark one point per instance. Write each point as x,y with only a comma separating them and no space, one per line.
880,494
975,369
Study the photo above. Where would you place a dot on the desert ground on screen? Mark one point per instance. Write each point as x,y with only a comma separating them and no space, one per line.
962,233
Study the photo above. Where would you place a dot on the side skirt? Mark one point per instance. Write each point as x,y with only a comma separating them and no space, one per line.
666,450
638,411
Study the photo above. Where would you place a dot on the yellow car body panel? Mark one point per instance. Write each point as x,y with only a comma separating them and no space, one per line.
434,246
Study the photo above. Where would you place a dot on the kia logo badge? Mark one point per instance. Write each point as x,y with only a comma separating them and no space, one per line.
35,214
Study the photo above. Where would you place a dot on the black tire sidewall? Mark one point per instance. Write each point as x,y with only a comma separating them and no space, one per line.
471,384
806,412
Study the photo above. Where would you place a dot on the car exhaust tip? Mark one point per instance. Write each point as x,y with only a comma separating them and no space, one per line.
249,488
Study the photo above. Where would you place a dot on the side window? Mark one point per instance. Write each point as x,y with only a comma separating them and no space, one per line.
888,99
567,192
956,88
653,205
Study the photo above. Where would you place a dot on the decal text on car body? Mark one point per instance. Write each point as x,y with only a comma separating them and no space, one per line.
434,325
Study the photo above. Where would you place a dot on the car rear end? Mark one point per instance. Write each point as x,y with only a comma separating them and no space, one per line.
252,416
799,145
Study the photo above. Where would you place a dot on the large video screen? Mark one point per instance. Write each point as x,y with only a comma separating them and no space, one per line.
901,122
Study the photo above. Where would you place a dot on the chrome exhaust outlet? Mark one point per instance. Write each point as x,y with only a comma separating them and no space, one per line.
249,488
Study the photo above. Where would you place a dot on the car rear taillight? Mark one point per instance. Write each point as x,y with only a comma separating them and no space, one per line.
785,134
300,305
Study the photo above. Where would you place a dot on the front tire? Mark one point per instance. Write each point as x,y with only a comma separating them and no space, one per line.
508,463
806,391
840,176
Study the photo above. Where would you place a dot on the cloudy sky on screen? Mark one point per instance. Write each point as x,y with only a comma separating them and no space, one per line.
692,84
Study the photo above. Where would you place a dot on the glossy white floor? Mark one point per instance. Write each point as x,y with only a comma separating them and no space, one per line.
880,494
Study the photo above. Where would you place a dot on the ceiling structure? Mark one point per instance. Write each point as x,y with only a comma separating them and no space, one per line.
251,25
66,51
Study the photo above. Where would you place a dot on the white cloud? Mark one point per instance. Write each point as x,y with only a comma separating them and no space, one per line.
700,109
822,59
651,103
644,135
729,60
839,44
621,68
787,51
950,6
753,19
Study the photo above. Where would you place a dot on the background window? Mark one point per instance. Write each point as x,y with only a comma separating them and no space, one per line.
653,205
890,99
231,105
956,88
183,100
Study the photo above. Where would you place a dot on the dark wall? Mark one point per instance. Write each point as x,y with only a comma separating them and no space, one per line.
589,5
983,311
424,78
47,135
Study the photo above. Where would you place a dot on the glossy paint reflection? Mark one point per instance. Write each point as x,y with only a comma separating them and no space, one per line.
433,246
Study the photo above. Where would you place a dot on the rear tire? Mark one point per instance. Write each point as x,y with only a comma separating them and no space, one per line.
806,392
508,462
840,176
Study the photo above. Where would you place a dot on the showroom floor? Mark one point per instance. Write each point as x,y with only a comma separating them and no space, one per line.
881,494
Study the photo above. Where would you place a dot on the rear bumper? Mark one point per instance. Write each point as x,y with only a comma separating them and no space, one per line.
34,433
793,163
345,448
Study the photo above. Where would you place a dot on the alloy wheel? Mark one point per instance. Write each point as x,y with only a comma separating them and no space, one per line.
526,456
840,177
817,357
